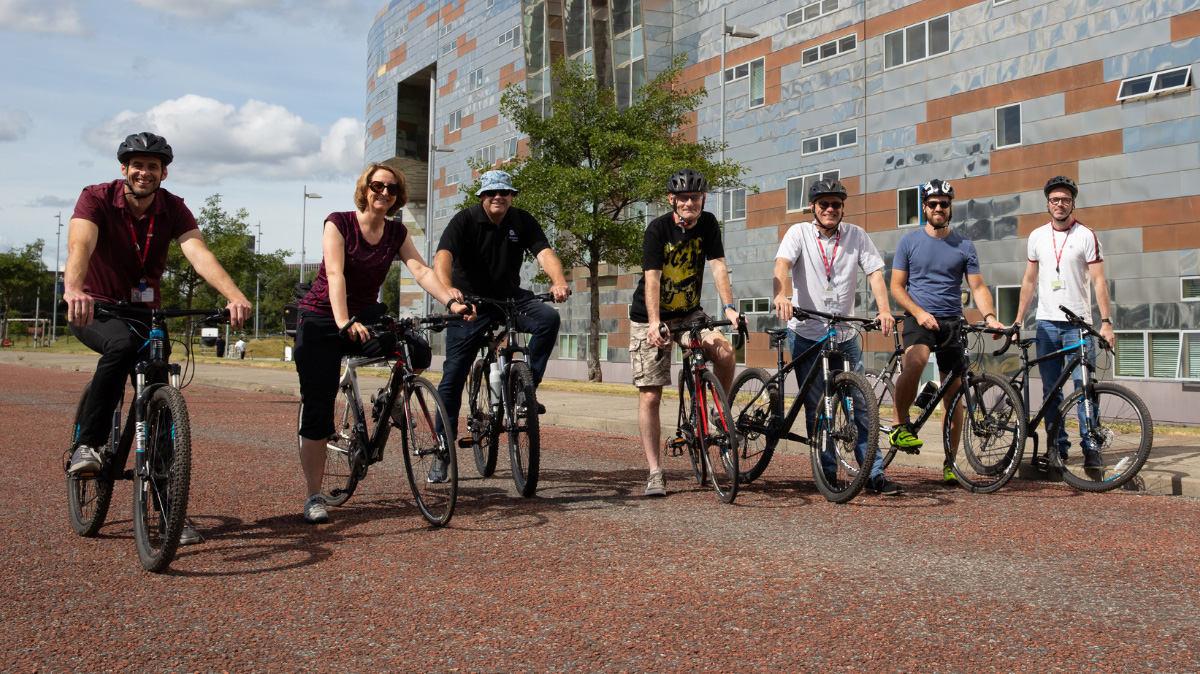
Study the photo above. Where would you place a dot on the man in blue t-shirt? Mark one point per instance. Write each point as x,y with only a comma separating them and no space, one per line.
927,275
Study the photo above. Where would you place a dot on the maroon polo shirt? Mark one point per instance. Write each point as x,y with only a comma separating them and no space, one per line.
365,267
115,267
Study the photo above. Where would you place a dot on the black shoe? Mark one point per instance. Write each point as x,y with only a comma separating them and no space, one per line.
541,409
190,536
437,470
1091,459
883,486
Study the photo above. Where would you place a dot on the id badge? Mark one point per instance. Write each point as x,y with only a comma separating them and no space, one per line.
829,298
1056,284
140,295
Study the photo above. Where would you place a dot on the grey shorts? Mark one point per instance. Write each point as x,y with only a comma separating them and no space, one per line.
648,368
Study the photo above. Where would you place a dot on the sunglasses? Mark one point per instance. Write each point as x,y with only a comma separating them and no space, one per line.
830,205
935,205
379,187
1061,201
690,196
491,194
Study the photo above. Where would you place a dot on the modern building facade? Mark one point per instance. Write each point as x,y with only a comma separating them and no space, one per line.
995,96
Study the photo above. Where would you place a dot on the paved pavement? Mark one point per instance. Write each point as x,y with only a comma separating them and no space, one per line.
1172,469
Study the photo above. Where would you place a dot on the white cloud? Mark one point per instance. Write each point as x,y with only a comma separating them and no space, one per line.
13,124
51,202
6,244
298,11
214,140
41,16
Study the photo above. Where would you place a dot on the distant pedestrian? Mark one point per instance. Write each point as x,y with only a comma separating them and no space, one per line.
239,348
220,346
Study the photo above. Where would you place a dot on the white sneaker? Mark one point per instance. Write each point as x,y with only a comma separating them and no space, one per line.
314,509
656,485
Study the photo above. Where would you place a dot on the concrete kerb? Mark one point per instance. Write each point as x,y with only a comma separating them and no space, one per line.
1173,467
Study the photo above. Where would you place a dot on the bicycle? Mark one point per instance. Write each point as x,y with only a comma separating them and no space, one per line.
157,426
408,402
760,420
881,381
992,434
702,428
1109,418
502,399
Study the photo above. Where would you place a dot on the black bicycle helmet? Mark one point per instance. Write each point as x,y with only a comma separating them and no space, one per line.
687,180
145,144
826,187
1061,181
936,188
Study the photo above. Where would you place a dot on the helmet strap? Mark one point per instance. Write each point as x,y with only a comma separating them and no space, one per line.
130,194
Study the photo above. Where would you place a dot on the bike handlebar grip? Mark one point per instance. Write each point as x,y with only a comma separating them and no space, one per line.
345,328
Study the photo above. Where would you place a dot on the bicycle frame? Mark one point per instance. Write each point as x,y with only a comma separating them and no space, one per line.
1021,382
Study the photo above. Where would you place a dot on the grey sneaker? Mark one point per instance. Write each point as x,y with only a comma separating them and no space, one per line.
84,460
656,486
189,536
437,470
883,486
314,509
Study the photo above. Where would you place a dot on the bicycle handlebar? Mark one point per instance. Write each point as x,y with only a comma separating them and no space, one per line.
867,324
123,310
386,323
1077,321
1007,333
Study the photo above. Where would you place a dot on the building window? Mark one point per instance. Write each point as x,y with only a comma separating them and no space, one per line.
737,72
452,179
488,4
568,347
811,11
1008,299
1189,288
1189,361
733,205
476,79
1161,82
455,121
449,48
1008,126
756,70
508,148
486,154
917,42
1158,355
797,188
1001,2
829,49
830,141
755,305
908,207
513,36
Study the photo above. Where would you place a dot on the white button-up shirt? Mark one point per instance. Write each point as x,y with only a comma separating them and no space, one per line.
816,266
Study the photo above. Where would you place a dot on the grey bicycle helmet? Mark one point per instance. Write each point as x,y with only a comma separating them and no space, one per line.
936,188
1063,182
826,187
145,144
687,180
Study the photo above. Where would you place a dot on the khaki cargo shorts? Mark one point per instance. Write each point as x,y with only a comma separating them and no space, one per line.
648,368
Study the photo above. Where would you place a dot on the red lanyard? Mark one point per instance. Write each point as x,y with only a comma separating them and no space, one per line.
1054,242
142,252
829,262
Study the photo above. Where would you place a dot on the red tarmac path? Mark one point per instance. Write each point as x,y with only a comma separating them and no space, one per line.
587,576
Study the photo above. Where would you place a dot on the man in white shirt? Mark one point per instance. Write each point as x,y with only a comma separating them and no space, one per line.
1064,255
822,259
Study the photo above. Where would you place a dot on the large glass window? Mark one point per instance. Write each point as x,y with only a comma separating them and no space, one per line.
797,188
733,205
908,207
917,42
1008,125
629,66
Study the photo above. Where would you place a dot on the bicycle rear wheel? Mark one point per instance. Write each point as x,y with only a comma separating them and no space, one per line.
993,434
162,479
340,478
752,403
88,497
524,441
716,438
1118,434
837,469
485,433
885,395
426,454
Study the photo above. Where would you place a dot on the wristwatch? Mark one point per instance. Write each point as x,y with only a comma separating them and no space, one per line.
989,314
1106,320
729,306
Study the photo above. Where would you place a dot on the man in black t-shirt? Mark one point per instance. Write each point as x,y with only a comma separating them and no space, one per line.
480,253
673,254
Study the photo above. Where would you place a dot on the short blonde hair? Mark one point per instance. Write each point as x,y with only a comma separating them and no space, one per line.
360,192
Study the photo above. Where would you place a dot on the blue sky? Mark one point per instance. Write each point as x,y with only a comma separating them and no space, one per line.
258,98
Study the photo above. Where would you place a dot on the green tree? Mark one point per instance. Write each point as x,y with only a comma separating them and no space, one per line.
595,168
21,270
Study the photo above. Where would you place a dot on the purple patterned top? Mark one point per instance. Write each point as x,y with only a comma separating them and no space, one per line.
365,268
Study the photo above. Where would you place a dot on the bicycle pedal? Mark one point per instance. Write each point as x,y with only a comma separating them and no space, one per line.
677,447
466,443
1041,463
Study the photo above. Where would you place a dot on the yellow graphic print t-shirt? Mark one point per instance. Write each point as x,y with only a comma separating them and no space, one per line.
680,255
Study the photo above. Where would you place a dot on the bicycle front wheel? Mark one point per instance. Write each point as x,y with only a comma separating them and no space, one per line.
993,434
686,425
752,402
851,419
524,441
885,395
1115,435
88,498
485,434
429,459
162,479
718,443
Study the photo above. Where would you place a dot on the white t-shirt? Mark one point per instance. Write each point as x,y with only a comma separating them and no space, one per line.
1063,259
816,266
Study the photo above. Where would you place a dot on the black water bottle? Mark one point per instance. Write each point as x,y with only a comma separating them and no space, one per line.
926,394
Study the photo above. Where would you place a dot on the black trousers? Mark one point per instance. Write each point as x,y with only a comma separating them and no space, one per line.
119,344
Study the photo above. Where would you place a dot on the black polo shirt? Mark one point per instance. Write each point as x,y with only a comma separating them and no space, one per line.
680,256
488,257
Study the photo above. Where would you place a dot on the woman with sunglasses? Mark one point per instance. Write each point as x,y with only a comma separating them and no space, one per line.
358,248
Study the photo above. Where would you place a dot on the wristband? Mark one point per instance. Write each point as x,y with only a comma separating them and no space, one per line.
729,306
988,314
1106,320
451,303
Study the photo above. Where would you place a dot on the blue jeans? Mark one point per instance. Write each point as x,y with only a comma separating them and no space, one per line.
1054,336
850,347
464,339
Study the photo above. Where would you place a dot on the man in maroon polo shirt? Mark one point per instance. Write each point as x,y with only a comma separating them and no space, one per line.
117,251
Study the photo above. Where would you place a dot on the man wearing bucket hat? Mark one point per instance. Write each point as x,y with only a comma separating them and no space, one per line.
480,253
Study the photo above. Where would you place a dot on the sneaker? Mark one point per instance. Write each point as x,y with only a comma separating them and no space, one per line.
1091,459
314,509
541,409
948,474
84,460
189,536
437,470
656,485
883,486
903,438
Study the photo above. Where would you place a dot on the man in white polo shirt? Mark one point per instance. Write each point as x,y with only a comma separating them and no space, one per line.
1063,256
819,261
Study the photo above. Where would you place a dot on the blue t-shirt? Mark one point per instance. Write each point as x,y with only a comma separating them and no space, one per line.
935,269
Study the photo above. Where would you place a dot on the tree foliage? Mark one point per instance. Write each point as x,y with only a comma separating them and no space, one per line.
21,270
594,169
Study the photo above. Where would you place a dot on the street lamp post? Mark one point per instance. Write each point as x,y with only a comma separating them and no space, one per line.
726,31
304,227
57,265
257,276
433,150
